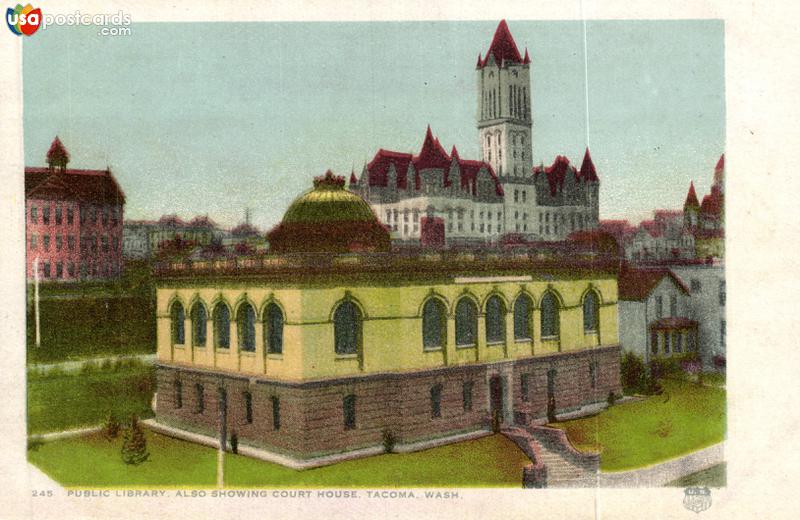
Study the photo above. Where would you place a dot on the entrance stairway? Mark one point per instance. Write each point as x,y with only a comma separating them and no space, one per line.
556,463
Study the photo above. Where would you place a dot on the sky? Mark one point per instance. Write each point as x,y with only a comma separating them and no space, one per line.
213,118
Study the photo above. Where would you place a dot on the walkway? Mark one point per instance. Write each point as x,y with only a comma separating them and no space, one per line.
663,473
77,365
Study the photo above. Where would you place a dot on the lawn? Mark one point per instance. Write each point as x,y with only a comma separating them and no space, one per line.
67,401
715,477
685,418
93,461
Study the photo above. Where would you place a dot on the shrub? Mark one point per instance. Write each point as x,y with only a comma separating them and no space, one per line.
134,444
719,361
234,442
633,374
112,426
612,398
389,440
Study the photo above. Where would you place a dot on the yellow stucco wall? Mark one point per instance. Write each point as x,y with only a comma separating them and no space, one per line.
392,326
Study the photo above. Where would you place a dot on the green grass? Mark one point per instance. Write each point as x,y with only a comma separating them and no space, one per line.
93,461
685,418
715,477
68,401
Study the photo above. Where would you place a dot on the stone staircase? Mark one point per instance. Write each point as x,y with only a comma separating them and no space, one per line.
556,463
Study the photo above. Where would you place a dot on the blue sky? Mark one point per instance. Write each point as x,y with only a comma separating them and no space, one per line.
211,118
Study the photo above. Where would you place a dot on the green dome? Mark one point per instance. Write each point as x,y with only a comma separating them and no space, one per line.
329,201
329,219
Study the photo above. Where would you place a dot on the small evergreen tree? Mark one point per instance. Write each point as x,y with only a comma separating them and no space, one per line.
134,444
112,426
234,442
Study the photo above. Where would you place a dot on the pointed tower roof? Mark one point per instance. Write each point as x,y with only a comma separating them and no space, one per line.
432,155
588,171
527,58
454,154
691,198
719,167
480,61
503,47
353,179
57,153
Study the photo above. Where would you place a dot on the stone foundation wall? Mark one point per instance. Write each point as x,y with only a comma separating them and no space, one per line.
312,415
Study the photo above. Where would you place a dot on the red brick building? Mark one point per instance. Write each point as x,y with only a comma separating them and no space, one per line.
73,220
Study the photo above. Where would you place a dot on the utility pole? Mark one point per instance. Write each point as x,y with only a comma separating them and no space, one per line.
36,300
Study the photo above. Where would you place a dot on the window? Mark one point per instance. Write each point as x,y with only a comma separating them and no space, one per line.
248,407
34,215
46,269
349,411
659,307
71,242
466,322
722,334
246,327
524,386
666,342
222,326
523,308
722,292
590,312
495,320
466,395
200,398
46,242
199,318
59,242
70,215
695,285
593,374
436,401
677,342
59,270
71,269
104,243
434,324
273,325
673,305
654,342
550,316
178,394
347,328
33,242
276,412
46,214
177,316
58,215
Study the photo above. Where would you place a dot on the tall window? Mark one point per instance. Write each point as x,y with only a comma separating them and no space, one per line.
34,215
199,318
590,318
673,305
434,324
495,320
276,412
659,307
549,316
722,292
177,317
436,401
523,307
200,398
273,328
248,407
222,326
349,411
466,395
246,327
593,374
347,328
466,322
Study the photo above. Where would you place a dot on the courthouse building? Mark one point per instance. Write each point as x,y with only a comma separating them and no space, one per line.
333,339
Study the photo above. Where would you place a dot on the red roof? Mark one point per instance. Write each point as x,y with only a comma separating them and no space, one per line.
527,58
712,204
720,164
709,233
202,220
691,197
588,171
503,47
673,322
378,168
171,220
353,179
57,151
651,227
637,284
95,186
556,173
432,155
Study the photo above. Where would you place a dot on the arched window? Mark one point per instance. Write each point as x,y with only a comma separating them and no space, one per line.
549,316
222,326
347,328
246,327
590,318
466,322
495,320
177,317
273,328
523,307
434,324
199,319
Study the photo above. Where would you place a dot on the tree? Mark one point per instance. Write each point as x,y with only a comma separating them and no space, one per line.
112,426
134,444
